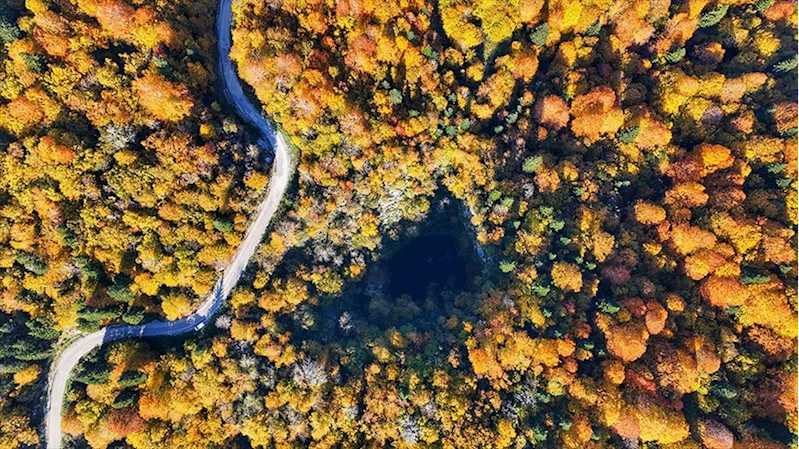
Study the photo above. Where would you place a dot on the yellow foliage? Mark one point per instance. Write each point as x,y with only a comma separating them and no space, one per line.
125,157
567,276
505,433
242,297
243,331
767,306
164,100
27,375
456,24
175,306
256,181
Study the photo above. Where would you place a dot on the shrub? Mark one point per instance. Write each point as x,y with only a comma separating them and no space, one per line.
93,375
713,16
540,34
132,379
395,96
507,266
628,135
223,225
675,56
8,31
125,399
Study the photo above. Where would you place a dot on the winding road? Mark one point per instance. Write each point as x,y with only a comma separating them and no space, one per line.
70,357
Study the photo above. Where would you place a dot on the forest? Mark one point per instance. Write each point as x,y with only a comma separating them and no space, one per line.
618,180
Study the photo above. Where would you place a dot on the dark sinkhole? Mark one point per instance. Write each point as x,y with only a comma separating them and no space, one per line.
427,262
416,279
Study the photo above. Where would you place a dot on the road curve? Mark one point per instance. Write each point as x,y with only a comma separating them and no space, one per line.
281,174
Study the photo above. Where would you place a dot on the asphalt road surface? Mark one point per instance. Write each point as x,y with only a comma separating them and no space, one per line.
277,187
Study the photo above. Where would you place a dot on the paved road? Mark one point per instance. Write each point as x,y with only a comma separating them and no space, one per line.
277,187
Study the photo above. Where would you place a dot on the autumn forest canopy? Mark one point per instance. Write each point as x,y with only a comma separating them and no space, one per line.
513,223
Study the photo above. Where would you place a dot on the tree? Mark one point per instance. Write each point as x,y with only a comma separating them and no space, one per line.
566,276
8,31
648,213
131,379
125,421
713,16
724,292
164,100
484,363
552,112
596,113
688,239
175,306
715,435
676,370
627,342
27,375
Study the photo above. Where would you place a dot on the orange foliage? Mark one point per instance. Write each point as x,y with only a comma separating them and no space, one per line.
785,114
676,369
655,317
648,213
678,30
628,341
631,28
51,151
525,65
361,54
688,239
650,422
687,194
778,249
115,16
713,157
723,292
613,371
652,131
707,358
596,113
125,421
547,180
20,114
552,112
702,263
123,21
484,363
